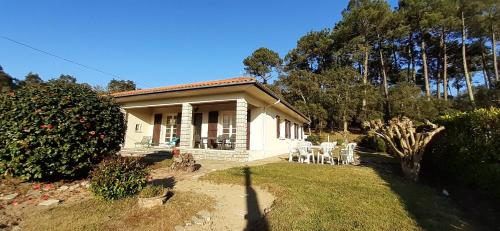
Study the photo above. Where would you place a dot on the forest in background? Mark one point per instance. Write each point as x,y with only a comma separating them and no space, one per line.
422,59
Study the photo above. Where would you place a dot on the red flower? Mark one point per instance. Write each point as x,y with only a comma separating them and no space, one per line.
50,126
48,187
36,186
45,197
43,126
82,120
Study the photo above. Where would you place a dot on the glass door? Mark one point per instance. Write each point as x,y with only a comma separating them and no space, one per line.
170,127
228,124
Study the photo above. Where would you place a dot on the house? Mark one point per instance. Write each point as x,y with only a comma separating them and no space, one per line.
235,119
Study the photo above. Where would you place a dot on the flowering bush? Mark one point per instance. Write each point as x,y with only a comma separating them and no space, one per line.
57,130
118,177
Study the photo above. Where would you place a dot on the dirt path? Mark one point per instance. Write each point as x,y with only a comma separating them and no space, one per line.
235,204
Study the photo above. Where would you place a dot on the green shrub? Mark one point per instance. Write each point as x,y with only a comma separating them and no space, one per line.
153,191
118,177
467,152
57,130
372,142
314,139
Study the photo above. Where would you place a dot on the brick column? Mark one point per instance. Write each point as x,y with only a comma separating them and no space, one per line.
241,125
187,114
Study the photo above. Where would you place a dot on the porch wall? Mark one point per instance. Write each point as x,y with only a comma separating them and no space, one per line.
138,116
214,154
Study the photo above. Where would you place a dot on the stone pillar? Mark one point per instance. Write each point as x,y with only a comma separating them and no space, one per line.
241,126
187,114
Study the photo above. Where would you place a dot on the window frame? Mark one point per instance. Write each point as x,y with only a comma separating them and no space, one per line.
138,128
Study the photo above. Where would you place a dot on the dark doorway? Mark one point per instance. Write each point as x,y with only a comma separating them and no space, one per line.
157,129
197,120
213,120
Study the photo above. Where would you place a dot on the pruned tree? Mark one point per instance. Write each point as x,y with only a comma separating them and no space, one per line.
407,142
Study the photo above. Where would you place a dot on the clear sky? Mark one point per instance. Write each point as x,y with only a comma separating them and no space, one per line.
154,43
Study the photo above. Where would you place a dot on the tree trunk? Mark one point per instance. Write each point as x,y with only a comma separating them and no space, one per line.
384,75
445,65
365,77
411,168
384,79
438,81
485,67
494,48
426,72
344,123
410,57
464,58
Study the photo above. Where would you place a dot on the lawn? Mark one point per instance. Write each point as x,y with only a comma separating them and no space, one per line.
94,214
323,197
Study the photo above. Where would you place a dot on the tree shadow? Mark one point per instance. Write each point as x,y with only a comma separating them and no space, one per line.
430,209
157,156
168,182
255,219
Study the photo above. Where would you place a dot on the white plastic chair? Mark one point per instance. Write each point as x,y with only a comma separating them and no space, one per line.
292,151
347,154
305,153
327,149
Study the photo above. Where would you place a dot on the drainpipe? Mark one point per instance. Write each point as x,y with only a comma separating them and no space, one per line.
264,125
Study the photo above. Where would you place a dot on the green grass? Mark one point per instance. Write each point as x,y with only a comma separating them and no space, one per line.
315,197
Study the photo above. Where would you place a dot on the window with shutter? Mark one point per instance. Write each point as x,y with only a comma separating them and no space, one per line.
278,127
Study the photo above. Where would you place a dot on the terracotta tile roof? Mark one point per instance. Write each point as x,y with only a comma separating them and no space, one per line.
214,83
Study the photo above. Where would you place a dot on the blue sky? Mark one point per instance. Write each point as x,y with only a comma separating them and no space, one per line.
154,43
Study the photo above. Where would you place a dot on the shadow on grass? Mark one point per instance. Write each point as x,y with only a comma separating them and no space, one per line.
255,219
168,182
430,209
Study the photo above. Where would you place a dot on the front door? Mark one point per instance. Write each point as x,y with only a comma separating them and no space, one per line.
157,129
197,121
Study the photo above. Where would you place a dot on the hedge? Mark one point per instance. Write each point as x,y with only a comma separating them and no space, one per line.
467,152
57,130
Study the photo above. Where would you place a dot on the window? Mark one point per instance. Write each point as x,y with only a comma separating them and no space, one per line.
278,122
301,132
228,124
295,131
138,128
287,129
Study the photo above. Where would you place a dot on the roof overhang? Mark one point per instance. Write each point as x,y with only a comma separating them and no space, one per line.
251,87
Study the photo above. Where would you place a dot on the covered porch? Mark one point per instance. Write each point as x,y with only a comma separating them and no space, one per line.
209,130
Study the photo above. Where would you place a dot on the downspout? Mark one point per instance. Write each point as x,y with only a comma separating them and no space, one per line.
264,125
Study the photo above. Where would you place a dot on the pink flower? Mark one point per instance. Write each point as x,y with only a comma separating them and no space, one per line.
92,133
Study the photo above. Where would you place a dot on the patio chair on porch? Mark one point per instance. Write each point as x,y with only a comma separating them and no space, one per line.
220,142
171,144
204,142
347,154
231,141
327,149
144,143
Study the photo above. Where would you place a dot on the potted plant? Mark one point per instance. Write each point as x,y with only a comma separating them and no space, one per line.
152,195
